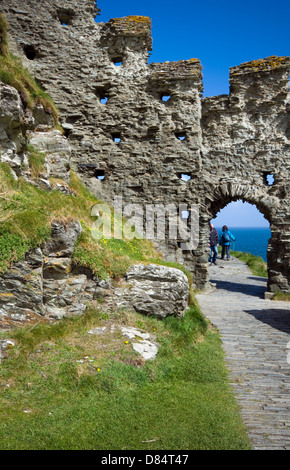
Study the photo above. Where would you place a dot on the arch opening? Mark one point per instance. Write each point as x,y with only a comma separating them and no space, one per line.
253,223
248,224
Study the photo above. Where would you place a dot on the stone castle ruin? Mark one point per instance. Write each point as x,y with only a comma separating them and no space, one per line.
135,128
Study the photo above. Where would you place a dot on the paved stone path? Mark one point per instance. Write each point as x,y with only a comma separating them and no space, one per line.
255,334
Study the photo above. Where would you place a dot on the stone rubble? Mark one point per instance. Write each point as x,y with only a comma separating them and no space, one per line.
142,342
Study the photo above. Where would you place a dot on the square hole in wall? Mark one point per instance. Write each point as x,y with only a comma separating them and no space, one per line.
118,61
30,52
184,176
268,178
65,16
184,215
116,136
99,174
180,135
165,96
102,94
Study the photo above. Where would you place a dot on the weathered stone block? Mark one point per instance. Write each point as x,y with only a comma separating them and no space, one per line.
56,268
157,290
63,238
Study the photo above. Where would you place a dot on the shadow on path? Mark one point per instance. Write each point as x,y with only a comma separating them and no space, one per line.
276,318
260,279
247,289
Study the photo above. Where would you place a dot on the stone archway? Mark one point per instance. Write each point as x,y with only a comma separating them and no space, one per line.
269,206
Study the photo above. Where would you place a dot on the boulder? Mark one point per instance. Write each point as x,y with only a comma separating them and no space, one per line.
155,290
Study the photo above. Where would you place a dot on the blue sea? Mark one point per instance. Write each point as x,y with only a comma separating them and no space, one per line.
252,240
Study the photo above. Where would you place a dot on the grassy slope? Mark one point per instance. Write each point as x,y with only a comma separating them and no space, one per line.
64,389
25,219
256,264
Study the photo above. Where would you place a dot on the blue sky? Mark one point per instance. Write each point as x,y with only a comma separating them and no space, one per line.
221,34
240,214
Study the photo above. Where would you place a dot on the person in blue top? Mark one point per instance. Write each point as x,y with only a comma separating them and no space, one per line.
225,242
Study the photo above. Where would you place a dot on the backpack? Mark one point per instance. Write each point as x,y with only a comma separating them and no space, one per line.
226,237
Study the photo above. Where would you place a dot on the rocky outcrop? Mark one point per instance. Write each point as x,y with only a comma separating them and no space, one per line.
20,126
57,153
12,128
46,284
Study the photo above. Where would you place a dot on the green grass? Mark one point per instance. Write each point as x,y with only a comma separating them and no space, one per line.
4,26
256,264
282,296
36,161
112,399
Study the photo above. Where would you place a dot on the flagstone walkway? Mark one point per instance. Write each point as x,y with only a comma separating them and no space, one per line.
256,339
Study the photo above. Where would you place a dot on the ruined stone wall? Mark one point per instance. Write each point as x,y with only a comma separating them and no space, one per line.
226,144
246,133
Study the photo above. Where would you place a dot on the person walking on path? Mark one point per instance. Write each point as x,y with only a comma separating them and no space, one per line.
225,241
213,244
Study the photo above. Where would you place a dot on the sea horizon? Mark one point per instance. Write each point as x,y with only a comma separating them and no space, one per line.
252,240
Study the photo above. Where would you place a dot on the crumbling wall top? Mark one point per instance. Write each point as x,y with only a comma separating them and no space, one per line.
128,26
180,70
261,65
262,80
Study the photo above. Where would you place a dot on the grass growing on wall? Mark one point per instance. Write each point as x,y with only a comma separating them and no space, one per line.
4,48
14,74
